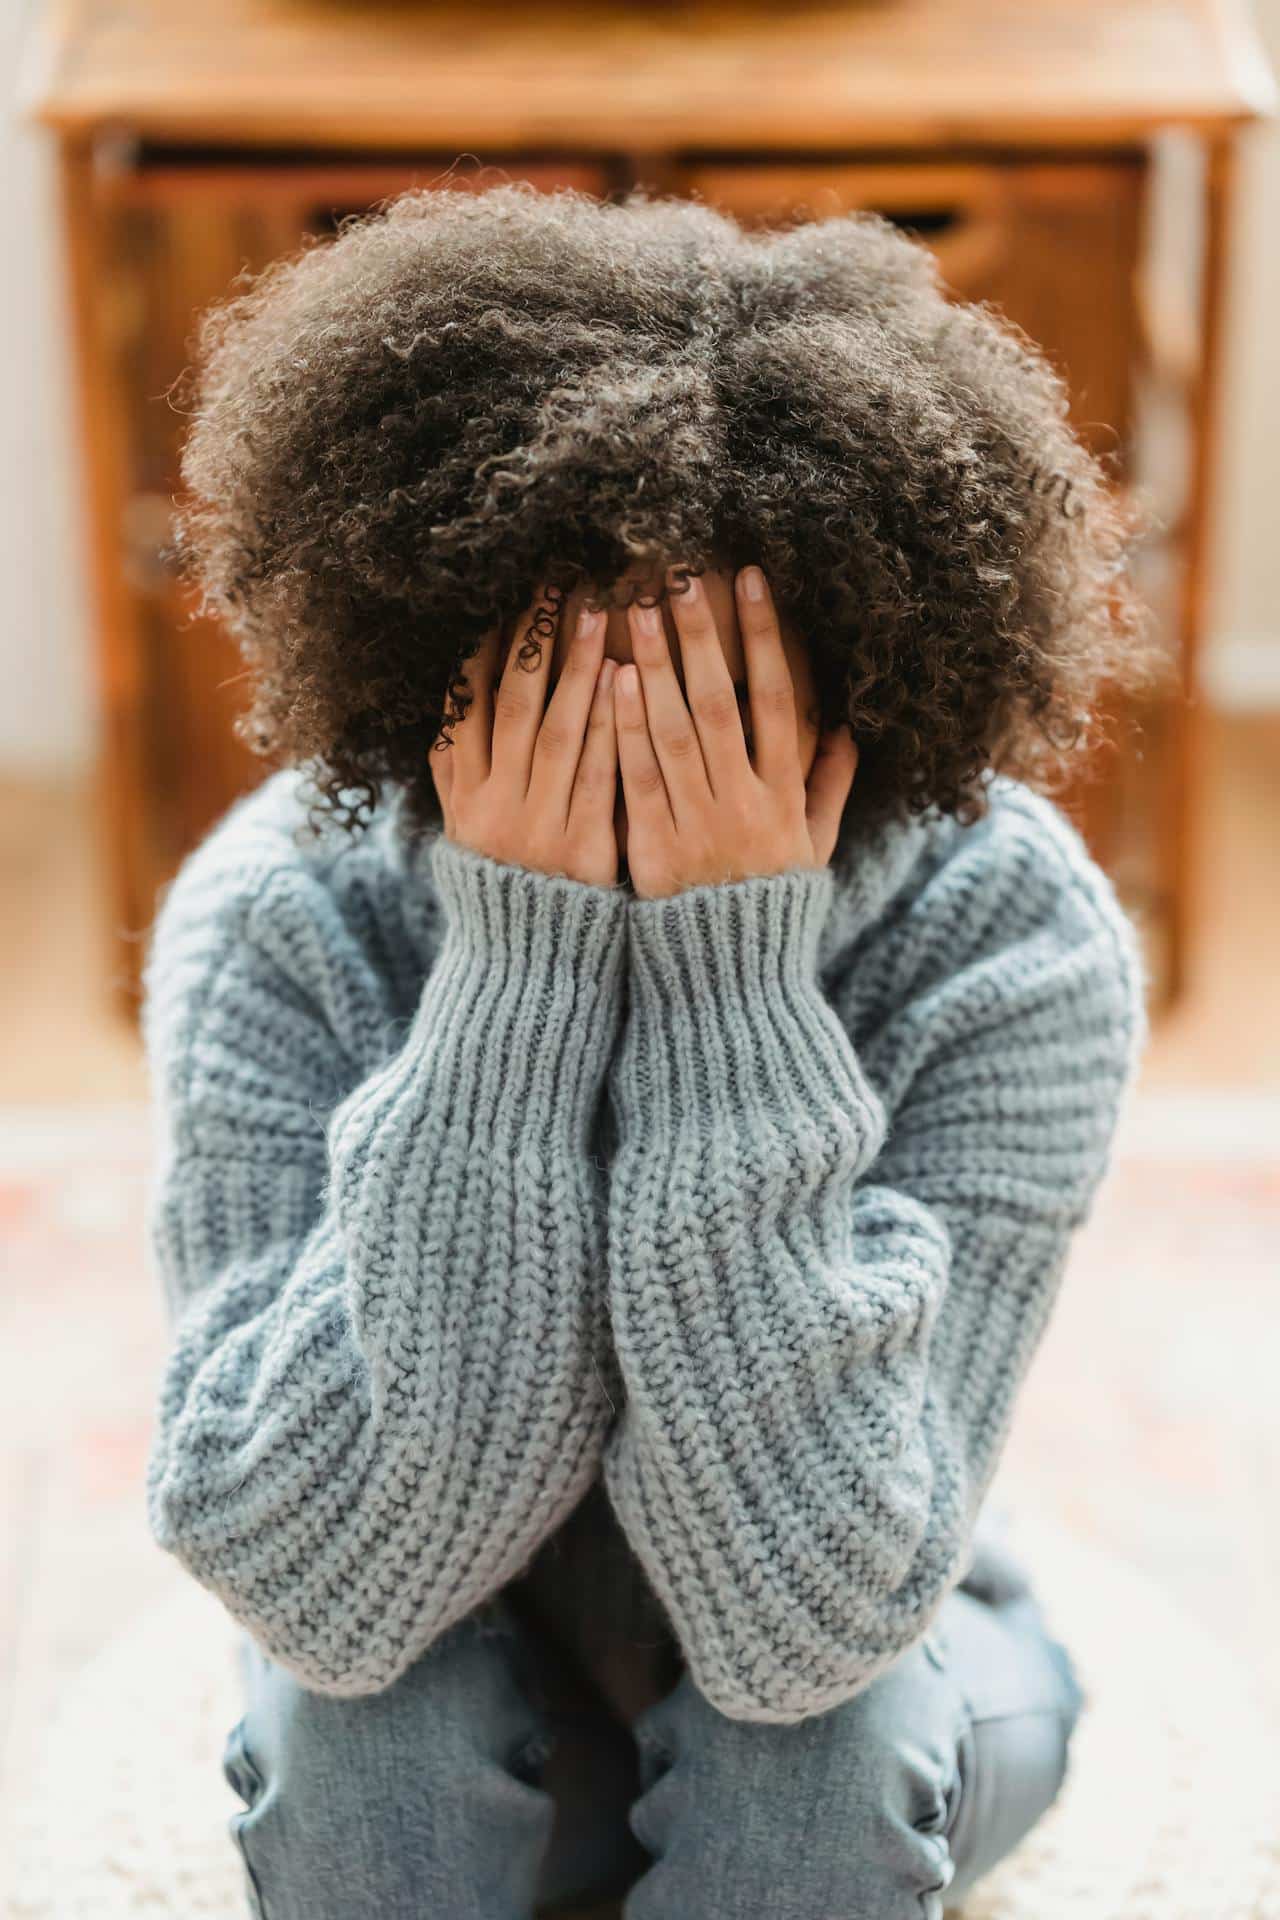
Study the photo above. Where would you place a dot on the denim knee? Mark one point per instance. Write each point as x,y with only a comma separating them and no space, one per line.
418,1799
846,1814
1023,1699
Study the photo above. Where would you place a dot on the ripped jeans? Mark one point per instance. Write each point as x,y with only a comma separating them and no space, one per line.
464,1793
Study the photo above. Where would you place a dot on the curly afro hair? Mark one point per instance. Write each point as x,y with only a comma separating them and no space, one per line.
399,432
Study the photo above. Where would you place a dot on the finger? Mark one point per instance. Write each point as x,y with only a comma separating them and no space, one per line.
558,747
770,686
472,733
827,789
596,784
708,685
522,689
672,735
648,806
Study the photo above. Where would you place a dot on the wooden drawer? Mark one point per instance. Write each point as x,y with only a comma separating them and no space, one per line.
1052,243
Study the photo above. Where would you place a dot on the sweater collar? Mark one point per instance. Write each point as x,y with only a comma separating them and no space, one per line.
869,867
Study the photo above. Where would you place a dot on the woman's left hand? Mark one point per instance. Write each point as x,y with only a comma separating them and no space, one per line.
702,809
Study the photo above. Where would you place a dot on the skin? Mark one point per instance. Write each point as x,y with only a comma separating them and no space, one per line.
682,741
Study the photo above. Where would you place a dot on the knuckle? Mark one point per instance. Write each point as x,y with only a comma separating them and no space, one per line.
717,709
679,742
775,697
594,785
555,739
510,703
647,781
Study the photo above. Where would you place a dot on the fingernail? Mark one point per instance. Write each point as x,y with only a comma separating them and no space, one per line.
586,620
607,670
753,583
647,619
628,680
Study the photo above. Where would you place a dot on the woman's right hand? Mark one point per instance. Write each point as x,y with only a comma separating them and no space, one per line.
533,788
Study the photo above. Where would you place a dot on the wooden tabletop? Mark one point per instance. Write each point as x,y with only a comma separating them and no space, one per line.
639,75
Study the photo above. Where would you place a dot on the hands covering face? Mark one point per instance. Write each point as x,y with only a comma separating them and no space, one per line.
702,808
701,805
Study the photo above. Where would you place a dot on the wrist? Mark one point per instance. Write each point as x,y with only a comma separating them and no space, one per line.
727,1012
529,977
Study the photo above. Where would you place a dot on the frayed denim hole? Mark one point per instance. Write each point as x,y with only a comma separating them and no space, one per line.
957,1792
937,1827
243,1776
937,1819
239,1769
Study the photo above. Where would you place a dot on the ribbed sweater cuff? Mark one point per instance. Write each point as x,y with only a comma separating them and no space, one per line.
526,990
728,1015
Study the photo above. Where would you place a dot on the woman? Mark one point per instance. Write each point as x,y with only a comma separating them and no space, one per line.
629,1081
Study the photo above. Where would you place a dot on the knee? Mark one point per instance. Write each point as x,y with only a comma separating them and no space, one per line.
456,1714
847,1814
397,1801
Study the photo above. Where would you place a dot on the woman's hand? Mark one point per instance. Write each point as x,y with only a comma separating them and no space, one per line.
700,808
529,788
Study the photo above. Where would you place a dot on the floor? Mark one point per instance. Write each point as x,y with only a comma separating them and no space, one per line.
1159,1365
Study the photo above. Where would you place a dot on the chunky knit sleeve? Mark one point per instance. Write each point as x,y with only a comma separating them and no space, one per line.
826,1286
385,1284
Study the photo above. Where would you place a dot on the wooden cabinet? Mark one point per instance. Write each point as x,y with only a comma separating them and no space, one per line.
167,236
1026,175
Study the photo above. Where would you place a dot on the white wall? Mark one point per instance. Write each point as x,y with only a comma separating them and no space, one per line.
46,706
46,701
1244,664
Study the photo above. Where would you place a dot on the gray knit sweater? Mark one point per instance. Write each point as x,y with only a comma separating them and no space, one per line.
475,1185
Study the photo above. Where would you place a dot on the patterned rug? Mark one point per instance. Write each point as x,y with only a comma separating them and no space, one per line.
1144,1470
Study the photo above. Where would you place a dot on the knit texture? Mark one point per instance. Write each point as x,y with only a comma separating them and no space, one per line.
475,1185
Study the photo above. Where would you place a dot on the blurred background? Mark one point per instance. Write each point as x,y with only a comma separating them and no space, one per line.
1108,174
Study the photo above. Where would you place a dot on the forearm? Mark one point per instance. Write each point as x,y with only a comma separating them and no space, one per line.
370,1419
772,1321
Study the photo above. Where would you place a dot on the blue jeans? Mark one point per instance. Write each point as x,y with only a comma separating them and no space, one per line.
466,1791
